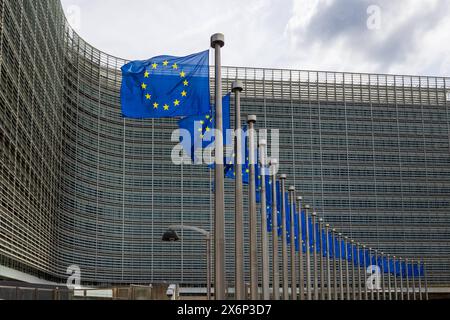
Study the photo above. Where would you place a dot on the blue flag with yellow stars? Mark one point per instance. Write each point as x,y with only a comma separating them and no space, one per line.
199,126
166,87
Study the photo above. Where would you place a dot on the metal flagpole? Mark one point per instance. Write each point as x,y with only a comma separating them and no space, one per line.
308,256
377,288
293,240
383,285
217,42
300,251
327,240
366,290
239,192
358,252
389,277
402,297
275,261
355,296
341,268
372,292
394,259
283,178
314,247
347,273
208,266
426,281
408,297
336,256
254,287
420,282
413,281
264,232
322,262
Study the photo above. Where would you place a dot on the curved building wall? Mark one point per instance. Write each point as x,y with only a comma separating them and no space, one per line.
83,186
32,51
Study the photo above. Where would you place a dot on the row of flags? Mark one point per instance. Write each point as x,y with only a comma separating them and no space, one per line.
174,87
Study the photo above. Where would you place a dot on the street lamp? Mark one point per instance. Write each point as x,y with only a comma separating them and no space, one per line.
171,236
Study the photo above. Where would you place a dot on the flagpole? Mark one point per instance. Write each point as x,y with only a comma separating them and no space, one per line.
293,240
383,285
355,297
283,178
217,42
389,277
420,282
394,259
252,210
327,240
264,233
341,268
275,260
426,281
314,247
366,290
372,291
347,273
336,256
322,261
408,296
237,88
377,288
402,297
300,251
358,252
308,256
413,280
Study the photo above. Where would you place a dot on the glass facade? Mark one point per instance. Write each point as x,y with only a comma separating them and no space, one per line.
81,185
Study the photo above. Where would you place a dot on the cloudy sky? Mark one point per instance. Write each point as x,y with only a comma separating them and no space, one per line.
385,36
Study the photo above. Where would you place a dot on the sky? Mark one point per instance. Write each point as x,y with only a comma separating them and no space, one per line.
376,36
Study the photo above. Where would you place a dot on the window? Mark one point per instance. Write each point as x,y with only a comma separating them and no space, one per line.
448,96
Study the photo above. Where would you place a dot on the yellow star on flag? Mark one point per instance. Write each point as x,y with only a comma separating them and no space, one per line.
176,103
148,96
146,74
155,105
182,74
165,63
144,86
186,83
208,129
166,107
184,94
154,66
175,66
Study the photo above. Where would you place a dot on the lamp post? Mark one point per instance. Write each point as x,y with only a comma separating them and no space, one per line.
171,236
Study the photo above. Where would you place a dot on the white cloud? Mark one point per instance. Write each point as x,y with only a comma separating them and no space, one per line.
294,34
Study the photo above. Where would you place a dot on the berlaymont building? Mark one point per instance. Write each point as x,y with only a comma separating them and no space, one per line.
81,185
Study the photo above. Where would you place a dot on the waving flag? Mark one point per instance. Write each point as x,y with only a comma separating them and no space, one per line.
166,87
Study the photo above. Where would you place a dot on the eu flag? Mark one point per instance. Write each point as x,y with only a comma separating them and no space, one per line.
166,87
199,126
